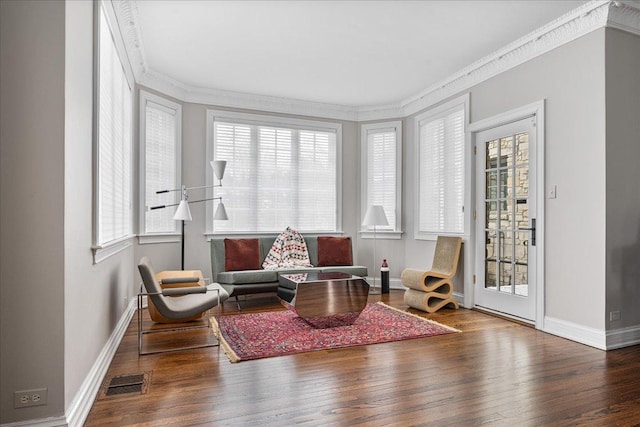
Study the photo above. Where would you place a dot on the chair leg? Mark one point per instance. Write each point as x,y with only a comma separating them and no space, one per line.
139,324
141,333
238,303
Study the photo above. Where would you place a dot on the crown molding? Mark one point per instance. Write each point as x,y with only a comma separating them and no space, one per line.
128,22
380,112
271,104
625,16
164,84
565,29
622,15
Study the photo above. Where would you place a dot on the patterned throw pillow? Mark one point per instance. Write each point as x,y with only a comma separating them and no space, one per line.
288,250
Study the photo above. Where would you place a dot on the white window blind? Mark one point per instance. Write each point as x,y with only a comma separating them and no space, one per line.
441,173
276,177
381,173
160,128
114,143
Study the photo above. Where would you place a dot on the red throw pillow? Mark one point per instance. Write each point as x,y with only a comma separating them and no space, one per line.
241,254
334,251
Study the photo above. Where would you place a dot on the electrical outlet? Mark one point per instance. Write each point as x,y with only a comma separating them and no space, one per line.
614,315
25,398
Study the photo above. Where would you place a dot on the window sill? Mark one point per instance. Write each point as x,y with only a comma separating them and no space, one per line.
148,239
434,236
210,236
102,252
388,235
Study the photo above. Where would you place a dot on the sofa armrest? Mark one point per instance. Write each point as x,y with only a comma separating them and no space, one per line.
217,258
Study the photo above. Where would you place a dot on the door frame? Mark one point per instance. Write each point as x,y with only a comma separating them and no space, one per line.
534,109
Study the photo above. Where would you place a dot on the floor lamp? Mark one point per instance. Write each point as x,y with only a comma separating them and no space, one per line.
183,213
374,217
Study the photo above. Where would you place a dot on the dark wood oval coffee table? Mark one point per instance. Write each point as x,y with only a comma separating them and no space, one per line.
324,300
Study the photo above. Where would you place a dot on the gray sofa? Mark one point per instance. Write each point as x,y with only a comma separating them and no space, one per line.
256,281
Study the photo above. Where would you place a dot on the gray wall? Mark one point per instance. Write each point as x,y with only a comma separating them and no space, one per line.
623,178
57,309
96,296
32,208
571,80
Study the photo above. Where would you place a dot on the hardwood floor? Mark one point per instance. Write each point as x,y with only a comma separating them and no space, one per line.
495,372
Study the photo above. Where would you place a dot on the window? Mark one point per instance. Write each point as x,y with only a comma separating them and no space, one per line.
280,173
114,148
441,175
160,160
381,150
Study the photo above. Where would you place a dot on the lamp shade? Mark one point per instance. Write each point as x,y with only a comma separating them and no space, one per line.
183,213
221,212
218,168
375,216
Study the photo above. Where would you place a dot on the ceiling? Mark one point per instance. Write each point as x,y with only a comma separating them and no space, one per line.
348,53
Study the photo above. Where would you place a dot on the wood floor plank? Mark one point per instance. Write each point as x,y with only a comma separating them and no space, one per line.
495,372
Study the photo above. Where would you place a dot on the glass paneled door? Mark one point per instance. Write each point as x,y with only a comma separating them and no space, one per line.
506,219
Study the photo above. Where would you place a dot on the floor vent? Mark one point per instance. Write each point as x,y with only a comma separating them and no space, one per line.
125,384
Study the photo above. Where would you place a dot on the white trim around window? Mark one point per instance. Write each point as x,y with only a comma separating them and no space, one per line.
113,139
234,184
452,120
160,167
381,175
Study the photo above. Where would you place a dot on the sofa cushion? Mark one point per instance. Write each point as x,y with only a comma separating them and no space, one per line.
334,251
247,276
241,254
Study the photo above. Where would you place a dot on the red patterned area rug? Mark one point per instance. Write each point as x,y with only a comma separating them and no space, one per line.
279,333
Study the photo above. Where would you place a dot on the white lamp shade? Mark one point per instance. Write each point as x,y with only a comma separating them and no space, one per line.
183,213
218,168
375,216
221,213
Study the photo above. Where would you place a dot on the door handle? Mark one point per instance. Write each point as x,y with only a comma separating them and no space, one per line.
532,229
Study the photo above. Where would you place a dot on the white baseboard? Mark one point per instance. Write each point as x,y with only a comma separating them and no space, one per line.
460,298
584,335
603,340
395,284
44,422
623,337
81,405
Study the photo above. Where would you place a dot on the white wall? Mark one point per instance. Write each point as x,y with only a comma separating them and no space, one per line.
623,178
571,81
32,205
96,296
